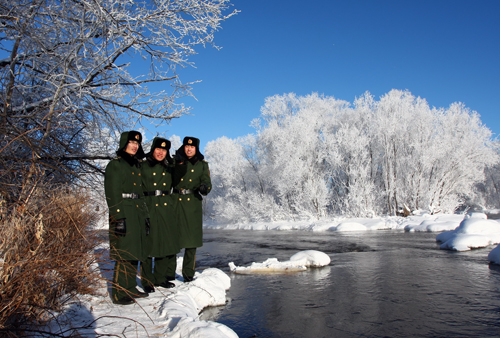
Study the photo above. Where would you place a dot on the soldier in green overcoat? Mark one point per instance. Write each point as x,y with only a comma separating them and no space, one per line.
162,244
188,192
128,216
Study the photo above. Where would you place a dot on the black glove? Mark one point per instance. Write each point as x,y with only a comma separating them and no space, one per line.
148,226
120,227
179,156
203,189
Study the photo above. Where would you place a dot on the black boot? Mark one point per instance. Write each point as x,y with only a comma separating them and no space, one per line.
148,288
124,301
187,279
166,284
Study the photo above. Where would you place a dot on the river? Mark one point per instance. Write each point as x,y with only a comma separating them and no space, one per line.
378,284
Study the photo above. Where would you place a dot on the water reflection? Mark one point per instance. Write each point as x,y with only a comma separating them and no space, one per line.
379,284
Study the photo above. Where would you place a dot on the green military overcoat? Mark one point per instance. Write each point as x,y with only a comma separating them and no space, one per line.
189,207
121,176
163,239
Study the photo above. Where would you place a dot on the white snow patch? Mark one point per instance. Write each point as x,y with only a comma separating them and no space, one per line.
298,262
166,312
312,258
432,223
475,231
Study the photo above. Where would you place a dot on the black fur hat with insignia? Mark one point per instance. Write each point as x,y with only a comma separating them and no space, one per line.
192,141
131,136
162,143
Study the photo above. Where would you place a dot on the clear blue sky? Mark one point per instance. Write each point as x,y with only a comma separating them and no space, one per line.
441,50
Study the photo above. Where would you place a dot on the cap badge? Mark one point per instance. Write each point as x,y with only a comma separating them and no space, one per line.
190,141
163,144
137,137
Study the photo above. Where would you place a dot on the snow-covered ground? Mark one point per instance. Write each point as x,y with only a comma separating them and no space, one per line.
175,312
165,313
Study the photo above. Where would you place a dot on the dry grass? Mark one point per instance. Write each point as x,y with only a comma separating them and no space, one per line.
47,247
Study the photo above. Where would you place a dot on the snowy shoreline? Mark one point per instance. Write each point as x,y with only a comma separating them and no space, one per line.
175,312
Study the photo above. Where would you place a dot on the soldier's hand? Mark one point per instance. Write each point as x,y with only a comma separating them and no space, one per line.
120,227
179,156
203,189
148,226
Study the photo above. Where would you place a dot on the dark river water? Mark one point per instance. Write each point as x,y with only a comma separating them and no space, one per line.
378,284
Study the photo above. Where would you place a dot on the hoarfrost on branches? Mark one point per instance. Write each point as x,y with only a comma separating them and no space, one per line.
316,156
72,70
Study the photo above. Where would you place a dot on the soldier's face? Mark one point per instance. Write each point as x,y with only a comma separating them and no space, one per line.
159,154
190,151
132,147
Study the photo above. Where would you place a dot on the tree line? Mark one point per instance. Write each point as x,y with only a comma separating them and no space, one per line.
315,156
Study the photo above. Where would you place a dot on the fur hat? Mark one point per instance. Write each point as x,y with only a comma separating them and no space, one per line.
192,141
131,136
162,143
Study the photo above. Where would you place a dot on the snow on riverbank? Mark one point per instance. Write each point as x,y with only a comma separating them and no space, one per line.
422,222
459,232
175,312
475,231
166,312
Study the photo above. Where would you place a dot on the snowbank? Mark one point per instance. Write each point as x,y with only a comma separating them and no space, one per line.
174,312
166,312
430,223
494,255
475,231
423,222
298,262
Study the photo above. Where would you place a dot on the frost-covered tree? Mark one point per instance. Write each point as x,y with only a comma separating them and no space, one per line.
488,192
239,193
350,158
463,150
403,126
314,156
71,69
294,153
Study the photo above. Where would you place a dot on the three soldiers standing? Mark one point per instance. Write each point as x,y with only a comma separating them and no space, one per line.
163,221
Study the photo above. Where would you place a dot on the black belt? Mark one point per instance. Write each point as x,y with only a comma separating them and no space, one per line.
132,196
183,191
156,193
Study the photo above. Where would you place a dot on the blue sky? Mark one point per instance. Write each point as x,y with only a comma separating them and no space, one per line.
442,50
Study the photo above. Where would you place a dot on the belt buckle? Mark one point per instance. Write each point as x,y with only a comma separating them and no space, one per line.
157,192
